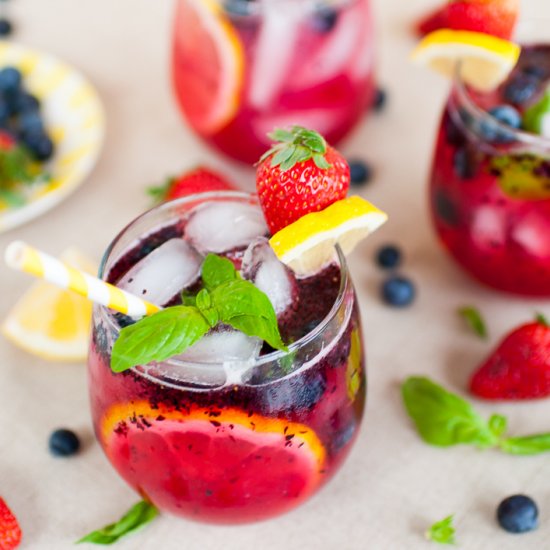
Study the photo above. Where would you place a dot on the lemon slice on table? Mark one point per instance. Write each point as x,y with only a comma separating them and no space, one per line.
51,322
307,245
486,60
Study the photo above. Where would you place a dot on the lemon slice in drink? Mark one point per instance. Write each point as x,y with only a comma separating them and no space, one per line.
50,322
486,60
307,245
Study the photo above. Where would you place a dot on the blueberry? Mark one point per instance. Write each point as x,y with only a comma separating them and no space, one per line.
360,172
380,100
29,122
324,19
535,71
24,102
4,109
238,7
505,114
521,89
295,393
39,144
389,257
518,514
10,80
6,27
63,443
445,208
398,291
464,163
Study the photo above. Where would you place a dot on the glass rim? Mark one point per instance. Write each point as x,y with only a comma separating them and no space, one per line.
256,8
109,317
519,135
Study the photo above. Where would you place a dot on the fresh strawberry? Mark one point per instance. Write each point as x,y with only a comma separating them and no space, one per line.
10,532
496,17
298,175
434,21
198,180
520,366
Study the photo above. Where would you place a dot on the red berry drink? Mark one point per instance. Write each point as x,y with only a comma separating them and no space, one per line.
243,67
230,431
490,184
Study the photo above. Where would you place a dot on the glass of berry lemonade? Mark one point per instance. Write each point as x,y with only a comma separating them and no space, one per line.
490,182
231,430
243,67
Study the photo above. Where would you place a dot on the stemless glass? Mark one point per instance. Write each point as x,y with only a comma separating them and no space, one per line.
490,189
233,442
242,67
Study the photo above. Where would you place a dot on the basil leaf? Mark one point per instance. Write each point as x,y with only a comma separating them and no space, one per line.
475,321
246,308
498,424
139,515
442,531
204,304
527,445
217,271
158,337
443,418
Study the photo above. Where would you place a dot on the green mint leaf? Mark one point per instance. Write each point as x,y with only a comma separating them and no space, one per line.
443,418
540,318
204,304
527,445
217,270
498,424
188,299
138,516
475,321
442,531
158,337
533,117
159,192
243,306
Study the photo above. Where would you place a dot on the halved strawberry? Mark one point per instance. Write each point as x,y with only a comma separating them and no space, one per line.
198,180
519,368
10,532
298,175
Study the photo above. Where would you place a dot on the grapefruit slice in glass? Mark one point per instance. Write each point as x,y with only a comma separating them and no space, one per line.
207,65
223,466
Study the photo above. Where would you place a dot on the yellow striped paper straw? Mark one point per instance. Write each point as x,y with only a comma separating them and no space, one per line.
23,257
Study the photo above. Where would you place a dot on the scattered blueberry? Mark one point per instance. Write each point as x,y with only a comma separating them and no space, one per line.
324,19
389,257
398,291
360,172
6,27
518,514
63,442
465,164
10,80
31,121
380,100
39,144
521,89
25,102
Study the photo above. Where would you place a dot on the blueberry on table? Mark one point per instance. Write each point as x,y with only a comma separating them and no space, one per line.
324,19
6,28
360,172
398,291
380,100
10,80
389,257
63,442
518,514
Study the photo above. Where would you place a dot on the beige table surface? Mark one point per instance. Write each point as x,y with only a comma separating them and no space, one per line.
393,485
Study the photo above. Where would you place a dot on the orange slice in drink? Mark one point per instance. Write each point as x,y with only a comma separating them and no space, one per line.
224,465
208,61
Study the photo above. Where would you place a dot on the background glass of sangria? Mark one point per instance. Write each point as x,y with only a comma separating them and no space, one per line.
243,67
490,182
230,431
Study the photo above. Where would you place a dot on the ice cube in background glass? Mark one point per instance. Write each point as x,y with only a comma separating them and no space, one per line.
163,273
224,226
263,268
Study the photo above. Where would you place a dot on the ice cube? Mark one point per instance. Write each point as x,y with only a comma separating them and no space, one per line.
531,233
224,226
488,227
263,268
158,277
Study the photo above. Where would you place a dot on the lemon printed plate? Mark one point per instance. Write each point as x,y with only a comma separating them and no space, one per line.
74,118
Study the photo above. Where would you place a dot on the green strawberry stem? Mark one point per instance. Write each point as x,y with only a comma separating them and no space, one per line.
160,192
540,318
295,146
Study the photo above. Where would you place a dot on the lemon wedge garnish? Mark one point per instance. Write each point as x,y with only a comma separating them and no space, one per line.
51,322
486,61
307,245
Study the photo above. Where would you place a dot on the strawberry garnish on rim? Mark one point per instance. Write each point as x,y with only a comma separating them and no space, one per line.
300,174
519,368
197,180
10,532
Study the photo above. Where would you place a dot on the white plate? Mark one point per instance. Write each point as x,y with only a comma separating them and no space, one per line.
74,118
